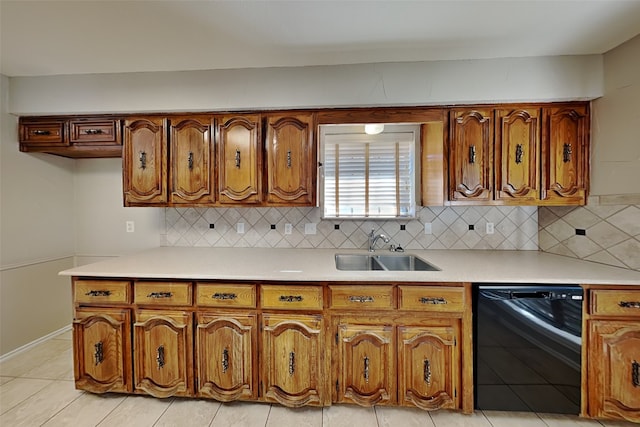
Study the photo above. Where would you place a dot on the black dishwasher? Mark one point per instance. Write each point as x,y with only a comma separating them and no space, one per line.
527,347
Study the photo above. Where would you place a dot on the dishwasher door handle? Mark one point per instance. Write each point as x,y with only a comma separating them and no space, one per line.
528,295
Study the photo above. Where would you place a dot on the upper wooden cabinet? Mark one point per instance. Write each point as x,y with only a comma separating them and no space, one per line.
192,160
290,159
565,154
470,155
240,159
145,161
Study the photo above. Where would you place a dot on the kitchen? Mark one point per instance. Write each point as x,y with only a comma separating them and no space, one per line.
74,215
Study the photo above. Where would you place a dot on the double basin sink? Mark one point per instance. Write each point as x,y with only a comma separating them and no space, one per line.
372,262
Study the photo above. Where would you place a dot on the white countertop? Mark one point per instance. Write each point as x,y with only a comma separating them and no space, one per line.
318,265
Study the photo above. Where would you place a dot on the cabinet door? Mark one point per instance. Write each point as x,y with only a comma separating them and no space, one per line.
516,155
565,160
192,170
614,369
471,155
290,160
163,352
145,161
293,349
102,350
366,356
240,159
428,367
225,349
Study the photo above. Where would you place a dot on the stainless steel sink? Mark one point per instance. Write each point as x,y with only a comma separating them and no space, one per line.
362,262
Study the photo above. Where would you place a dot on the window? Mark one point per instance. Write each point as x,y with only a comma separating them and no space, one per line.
369,176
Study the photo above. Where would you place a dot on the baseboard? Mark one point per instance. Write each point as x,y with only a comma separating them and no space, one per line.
32,344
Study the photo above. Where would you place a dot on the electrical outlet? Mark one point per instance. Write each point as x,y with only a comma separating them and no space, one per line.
310,228
427,228
490,229
288,229
131,226
240,228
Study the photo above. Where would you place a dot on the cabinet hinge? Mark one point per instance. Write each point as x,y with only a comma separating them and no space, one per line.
337,338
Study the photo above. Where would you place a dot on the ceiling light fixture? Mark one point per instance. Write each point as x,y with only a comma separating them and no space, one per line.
373,128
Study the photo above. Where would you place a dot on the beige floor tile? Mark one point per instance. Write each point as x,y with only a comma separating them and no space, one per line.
136,411
510,419
446,418
33,358
241,414
348,416
280,416
4,380
405,417
37,409
197,412
564,420
18,390
87,410
618,424
55,368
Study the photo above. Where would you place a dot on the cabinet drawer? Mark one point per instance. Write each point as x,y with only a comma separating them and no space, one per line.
101,291
615,302
101,132
49,132
225,295
291,297
162,293
369,297
431,298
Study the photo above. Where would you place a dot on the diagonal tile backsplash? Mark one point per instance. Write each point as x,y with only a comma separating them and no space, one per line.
515,228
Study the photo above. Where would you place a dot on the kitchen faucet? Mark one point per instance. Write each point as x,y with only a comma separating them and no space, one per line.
373,238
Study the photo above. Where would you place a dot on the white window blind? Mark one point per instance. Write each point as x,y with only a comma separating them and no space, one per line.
369,176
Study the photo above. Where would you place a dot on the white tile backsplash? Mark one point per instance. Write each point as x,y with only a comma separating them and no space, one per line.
515,228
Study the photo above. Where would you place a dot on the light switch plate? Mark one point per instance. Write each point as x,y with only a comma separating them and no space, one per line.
240,228
490,228
427,228
310,228
288,229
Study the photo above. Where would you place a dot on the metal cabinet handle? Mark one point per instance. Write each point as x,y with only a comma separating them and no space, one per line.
472,154
225,360
143,160
289,159
566,153
427,371
41,132
160,356
292,363
366,369
629,304
237,158
635,373
291,298
519,153
224,296
93,131
160,295
98,355
428,300
190,160
359,298
98,293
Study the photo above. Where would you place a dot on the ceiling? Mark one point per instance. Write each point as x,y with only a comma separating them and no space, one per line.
76,37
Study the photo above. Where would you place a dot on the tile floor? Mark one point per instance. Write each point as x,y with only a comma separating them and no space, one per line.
36,389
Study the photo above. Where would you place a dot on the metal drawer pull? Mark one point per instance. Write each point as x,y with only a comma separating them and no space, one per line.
519,153
472,154
566,153
289,159
190,160
629,304
225,360
160,356
292,363
93,131
427,371
160,295
224,295
41,132
98,355
143,160
291,298
97,293
360,299
237,158
366,369
426,300
635,373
